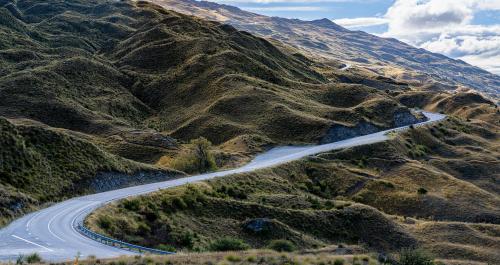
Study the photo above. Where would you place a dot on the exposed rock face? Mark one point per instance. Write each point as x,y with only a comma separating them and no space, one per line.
258,226
340,132
105,181
13,203
150,138
405,117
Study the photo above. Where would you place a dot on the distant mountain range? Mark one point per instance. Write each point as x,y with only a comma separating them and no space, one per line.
327,40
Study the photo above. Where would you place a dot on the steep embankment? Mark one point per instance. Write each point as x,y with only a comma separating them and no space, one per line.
41,165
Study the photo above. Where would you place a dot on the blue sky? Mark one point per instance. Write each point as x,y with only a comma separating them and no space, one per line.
463,29
310,10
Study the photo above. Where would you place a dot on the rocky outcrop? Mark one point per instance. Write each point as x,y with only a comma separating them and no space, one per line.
105,181
406,117
258,225
340,132
150,138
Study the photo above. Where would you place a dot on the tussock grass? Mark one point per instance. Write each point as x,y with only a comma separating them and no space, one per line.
251,257
198,158
40,165
319,201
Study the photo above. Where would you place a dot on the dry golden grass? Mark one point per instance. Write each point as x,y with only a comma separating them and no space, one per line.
308,197
458,240
251,257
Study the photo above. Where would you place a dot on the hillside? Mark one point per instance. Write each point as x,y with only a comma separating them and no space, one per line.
326,40
41,165
109,81
135,76
434,188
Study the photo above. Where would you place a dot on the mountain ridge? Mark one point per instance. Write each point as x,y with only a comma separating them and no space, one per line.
394,58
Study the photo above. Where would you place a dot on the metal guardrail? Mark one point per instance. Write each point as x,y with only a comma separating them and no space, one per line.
117,243
80,227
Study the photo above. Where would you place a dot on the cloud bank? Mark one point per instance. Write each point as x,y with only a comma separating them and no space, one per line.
442,26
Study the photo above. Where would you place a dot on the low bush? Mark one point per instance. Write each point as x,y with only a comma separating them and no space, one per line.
339,262
186,239
104,222
228,244
233,258
33,258
415,257
168,248
131,204
281,245
198,159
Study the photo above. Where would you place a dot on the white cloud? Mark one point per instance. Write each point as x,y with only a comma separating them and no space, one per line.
361,22
442,26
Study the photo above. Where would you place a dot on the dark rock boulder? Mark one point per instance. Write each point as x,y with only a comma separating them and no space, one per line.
340,132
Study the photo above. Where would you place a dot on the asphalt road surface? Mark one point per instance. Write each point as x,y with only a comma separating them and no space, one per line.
347,66
50,232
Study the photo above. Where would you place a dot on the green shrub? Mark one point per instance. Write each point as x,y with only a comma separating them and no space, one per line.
33,258
228,244
198,159
20,260
415,257
104,222
339,262
186,239
233,258
281,245
387,184
131,204
179,203
166,248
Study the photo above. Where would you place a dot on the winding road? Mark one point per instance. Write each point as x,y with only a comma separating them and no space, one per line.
344,68
51,232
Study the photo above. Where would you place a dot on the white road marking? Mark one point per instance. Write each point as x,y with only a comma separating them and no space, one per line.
50,223
347,66
28,224
74,219
33,243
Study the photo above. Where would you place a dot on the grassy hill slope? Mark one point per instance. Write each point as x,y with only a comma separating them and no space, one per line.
434,187
93,82
42,165
104,67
